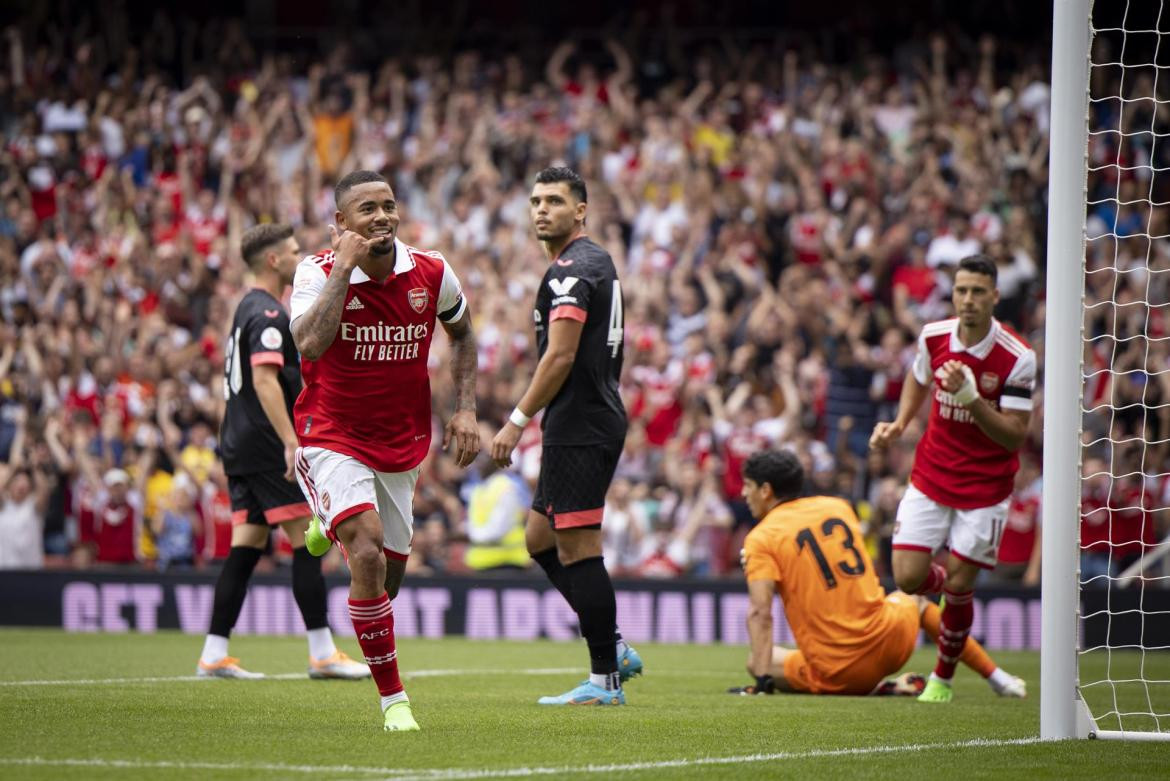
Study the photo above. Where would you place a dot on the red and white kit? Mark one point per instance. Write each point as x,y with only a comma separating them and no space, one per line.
962,480
364,416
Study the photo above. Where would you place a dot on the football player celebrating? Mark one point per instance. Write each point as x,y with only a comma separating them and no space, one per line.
983,375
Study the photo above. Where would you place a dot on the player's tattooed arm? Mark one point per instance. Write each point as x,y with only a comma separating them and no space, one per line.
464,360
462,429
316,329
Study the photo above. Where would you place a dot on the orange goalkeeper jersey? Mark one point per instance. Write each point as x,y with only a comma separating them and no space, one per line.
812,548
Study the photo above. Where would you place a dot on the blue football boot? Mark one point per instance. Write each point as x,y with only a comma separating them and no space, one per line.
587,694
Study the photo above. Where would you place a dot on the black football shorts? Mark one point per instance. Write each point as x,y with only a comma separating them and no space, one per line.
266,498
573,482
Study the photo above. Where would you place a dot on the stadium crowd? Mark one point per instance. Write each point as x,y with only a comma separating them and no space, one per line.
784,225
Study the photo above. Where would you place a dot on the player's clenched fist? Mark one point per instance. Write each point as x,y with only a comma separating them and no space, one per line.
884,433
957,379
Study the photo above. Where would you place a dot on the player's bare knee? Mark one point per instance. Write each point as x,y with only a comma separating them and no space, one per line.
909,581
961,579
366,561
538,536
536,542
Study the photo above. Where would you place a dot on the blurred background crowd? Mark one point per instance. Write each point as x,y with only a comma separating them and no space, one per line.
785,211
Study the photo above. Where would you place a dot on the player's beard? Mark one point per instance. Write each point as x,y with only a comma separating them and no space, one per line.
383,247
549,234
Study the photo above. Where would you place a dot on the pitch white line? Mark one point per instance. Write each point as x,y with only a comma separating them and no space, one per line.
565,770
156,679
282,677
136,764
458,774
494,671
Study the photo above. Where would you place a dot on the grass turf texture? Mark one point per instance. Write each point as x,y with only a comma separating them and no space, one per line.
483,722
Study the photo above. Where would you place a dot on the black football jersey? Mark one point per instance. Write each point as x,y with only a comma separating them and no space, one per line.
260,334
582,284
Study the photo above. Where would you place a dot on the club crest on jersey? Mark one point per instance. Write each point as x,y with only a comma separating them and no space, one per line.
988,382
418,298
270,337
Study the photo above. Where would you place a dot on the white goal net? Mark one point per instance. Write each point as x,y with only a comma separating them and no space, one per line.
1123,664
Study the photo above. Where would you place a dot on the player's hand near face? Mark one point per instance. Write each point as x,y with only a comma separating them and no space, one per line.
885,433
349,248
463,431
504,443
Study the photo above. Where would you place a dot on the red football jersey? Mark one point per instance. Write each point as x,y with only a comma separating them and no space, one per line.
369,395
956,464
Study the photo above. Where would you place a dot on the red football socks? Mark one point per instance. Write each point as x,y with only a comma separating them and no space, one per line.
935,577
974,655
373,622
957,616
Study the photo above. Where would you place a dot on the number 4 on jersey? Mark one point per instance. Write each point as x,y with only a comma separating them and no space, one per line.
616,329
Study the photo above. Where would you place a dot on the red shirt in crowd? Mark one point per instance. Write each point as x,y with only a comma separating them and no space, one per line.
1019,533
1119,520
117,524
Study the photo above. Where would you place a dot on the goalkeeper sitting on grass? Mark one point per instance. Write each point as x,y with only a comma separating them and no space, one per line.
850,634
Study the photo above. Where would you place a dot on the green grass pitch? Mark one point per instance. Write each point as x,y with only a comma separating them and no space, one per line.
476,704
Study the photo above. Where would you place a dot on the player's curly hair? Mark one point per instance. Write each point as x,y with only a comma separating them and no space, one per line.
779,469
554,174
259,238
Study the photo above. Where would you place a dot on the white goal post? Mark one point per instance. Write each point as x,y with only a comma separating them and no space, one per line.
1122,692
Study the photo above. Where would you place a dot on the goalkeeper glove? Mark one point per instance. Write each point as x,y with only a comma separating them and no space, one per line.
765,684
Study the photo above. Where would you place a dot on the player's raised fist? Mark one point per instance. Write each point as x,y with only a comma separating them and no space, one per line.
950,375
956,378
884,433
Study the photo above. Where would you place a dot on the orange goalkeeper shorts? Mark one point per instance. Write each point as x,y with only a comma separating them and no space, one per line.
873,662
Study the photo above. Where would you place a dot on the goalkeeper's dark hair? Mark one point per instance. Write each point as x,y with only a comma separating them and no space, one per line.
980,264
555,174
779,469
260,238
353,179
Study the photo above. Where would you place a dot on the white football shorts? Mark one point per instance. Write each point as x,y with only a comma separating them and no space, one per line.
972,535
339,486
